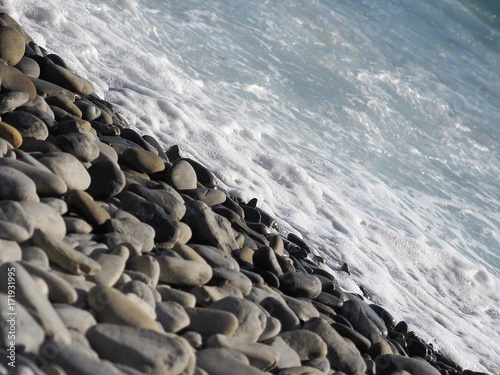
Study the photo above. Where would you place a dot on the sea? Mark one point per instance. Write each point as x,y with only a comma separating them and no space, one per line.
371,129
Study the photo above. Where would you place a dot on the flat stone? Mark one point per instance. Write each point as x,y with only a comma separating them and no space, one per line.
147,265
68,168
143,161
225,276
287,356
36,256
251,318
265,258
50,88
70,81
11,251
82,203
14,80
208,322
14,223
299,284
216,257
166,197
75,318
132,226
45,218
223,361
81,145
16,185
172,316
112,306
60,291
390,363
63,255
47,183
183,272
12,100
107,179
209,228
150,213
77,225
182,175
180,297
261,356
28,66
64,103
29,295
89,111
11,135
28,125
12,45
307,344
75,359
210,197
145,350
342,354
29,334
112,267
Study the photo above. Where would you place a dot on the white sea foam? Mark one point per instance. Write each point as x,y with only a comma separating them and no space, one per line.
369,128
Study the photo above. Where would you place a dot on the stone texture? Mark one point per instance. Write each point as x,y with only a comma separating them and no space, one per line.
29,295
145,350
28,125
75,318
298,284
251,318
112,306
143,161
12,100
12,45
183,272
63,255
70,81
85,206
390,363
14,80
180,297
68,168
81,145
132,226
307,344
112,267
172,316
11,134
107,178
208,322
182,175
14,223
287,356
16,185
209,228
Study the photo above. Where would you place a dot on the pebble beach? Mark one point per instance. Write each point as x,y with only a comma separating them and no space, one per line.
120,255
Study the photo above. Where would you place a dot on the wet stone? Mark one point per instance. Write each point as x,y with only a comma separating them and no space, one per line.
12,45
298,284
28,66
143,161
182,175
64,78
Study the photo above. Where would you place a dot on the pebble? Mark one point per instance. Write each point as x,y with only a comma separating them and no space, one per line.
251,318
64,103
11,134
265,258
77,225
208,322
112,306
49,88
287,356
280,310
390,363
223,361
342,354
150,213
63,255
166,197
47,183
302,308
28,66
29,334
352,311
261,356
182,176
68,168
180,297
12,45
143,161
147,265
81,145
172,316
301,370
88,110
307,344
74,318
132,226
226,276
70,81
14,224
183,272
298,284
11,100
85,205
210,197
28,294
15,80
216,257
107,179
112,267
145,350
16,185
209,228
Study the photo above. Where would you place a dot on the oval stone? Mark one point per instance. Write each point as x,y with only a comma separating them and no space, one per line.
16,185
12,45
11,134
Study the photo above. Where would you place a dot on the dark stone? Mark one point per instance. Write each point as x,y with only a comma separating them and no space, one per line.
298,284
361,342
165,196
280,310
203,174
265,258
107,179
389,363
353,312
28,125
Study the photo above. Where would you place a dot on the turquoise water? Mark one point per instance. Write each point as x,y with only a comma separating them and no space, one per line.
371,128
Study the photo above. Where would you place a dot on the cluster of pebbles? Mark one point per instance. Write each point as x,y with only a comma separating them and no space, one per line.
129,259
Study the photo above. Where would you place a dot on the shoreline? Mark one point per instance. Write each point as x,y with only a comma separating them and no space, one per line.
150,245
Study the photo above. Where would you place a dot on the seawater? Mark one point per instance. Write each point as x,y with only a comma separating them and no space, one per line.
369,127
